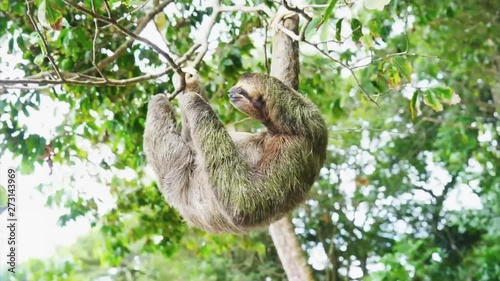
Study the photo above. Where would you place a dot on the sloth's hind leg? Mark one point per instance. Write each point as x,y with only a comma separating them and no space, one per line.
169,155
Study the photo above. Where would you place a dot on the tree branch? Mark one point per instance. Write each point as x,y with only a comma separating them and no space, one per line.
130,34
123,47
247,9
298,38
87,80
44,41
45,79
136,37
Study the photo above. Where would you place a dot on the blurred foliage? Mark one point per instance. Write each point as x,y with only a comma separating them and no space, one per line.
383,207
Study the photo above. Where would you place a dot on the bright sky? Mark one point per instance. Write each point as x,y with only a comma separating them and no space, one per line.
39,235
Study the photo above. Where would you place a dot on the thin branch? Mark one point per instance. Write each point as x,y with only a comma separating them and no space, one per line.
447,123
108,8
428,191
136,37
302,34
123,30
247,9
44,41
296,10
123,47
208,29
297,38
266,63
400,54
94,42
157,27
43,78
80,79
407,38
127,15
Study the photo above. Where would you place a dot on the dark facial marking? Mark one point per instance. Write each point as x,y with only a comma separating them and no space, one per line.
242,92
259,103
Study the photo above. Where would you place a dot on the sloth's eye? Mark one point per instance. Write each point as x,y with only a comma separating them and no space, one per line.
242,92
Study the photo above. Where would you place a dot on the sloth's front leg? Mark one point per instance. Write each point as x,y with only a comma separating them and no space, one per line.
165,150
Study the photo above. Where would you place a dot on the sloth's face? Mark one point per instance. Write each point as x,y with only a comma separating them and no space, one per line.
245,97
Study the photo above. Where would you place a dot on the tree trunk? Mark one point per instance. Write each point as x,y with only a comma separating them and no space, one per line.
285,66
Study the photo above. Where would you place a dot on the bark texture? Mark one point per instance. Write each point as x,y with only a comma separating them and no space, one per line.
285,66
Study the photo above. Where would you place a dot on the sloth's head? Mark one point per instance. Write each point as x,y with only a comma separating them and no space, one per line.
247,96
277,106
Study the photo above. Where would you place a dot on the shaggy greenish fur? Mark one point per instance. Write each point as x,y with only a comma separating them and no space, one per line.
234,183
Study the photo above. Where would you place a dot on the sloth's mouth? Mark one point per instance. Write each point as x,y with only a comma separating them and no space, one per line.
234,98
235,94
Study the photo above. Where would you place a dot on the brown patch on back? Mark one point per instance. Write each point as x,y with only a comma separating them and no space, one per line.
272,146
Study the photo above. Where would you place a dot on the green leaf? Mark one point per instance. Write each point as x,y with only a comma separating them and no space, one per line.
49,14
53,15
21,43
325,31
357,31
59,4
39,59
431,100
3,197
311,28
161,21
374,26
338,29
328,12
337,110
413,105
394,78
443,92
4,6
42,14
11,46
367,40
446,95
403,66
25,111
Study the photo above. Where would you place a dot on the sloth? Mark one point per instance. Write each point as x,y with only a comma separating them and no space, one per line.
235,182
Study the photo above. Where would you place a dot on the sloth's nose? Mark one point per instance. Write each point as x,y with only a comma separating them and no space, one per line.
232,91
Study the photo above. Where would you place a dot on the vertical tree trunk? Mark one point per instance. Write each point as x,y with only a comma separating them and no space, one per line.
285,66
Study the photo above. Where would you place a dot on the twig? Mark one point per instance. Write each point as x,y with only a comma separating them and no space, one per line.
159,32
247,9
108,8
127,15
75,79
44,78
44,42
297,38
94,42
302,34
428,191
266,63
140,27
136,37
296,10
123,30
400,54
208,29
450,124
